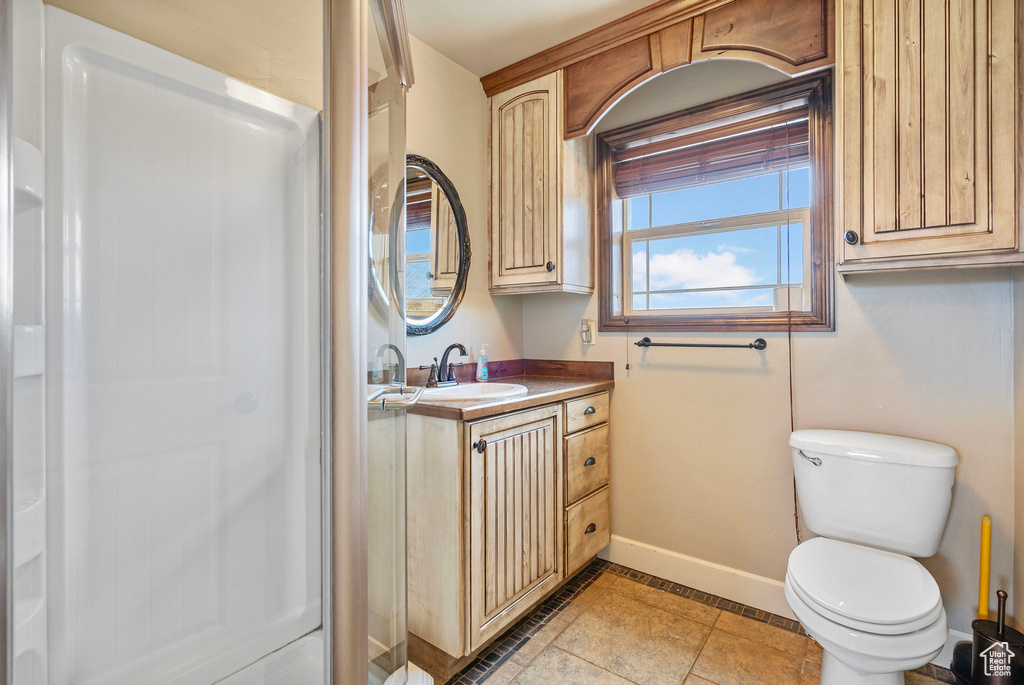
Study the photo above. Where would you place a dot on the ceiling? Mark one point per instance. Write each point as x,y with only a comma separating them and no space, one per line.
486,35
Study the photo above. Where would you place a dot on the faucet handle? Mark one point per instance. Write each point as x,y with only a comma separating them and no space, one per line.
433,377
451,371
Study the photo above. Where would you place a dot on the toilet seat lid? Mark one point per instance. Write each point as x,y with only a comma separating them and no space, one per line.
862,583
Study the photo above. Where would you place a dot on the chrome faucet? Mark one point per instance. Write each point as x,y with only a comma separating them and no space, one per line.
398,376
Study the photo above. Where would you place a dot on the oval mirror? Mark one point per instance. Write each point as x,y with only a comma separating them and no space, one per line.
437,250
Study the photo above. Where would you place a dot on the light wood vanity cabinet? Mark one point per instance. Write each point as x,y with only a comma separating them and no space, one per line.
587,449
927,107
501,511
541,194
515,505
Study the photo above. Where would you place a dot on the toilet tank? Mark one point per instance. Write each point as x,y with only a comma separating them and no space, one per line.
878,490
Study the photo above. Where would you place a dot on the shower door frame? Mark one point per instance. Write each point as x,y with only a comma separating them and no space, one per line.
6,340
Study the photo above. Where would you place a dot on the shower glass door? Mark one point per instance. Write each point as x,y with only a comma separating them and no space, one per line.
166,331
385,351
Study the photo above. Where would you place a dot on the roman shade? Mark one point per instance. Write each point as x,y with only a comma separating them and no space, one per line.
748,148
417,203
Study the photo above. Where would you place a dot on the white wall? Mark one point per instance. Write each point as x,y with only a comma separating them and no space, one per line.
702,467
448,120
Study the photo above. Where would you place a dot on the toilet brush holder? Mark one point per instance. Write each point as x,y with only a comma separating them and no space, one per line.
998,653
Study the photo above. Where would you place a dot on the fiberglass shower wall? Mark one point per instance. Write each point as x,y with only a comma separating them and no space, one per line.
167,449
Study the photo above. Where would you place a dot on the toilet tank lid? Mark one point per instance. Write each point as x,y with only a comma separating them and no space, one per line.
891,449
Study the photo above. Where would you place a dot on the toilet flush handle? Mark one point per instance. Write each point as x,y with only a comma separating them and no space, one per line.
813,460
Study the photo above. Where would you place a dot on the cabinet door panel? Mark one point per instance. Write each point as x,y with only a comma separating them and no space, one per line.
516,522
927,168
444,243
525,140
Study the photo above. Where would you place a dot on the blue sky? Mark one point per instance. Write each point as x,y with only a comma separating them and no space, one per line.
710,260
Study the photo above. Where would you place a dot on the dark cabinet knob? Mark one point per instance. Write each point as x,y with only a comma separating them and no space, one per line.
480,446
590,462
851,237
589,410
592,528
550,266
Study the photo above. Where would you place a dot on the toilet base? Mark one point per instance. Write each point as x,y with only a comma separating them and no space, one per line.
835,672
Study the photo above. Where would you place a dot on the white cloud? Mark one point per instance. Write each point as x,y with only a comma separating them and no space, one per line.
687,269
735,248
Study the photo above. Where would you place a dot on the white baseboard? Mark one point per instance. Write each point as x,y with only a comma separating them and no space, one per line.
724,581
945,657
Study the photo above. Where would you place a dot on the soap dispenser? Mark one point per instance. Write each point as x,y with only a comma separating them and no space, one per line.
481,365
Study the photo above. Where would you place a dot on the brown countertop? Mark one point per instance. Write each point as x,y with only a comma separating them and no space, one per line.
542,389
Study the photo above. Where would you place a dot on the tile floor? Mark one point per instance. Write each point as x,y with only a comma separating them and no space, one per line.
616,626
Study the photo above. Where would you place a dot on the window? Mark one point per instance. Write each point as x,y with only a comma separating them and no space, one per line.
719,217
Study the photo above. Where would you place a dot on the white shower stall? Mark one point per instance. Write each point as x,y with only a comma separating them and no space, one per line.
167,401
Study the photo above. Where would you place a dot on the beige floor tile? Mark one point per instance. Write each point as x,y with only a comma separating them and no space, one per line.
813,652
505,674
525,654
780,639
665,600
811,673
635,640
555,667
732,660
696,680
582,601
605,580
912,678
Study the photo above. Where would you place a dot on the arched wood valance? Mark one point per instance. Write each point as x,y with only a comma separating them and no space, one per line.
603,65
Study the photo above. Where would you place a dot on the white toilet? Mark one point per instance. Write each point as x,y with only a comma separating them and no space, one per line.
876,501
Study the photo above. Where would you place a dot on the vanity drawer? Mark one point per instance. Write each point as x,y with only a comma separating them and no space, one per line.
586,462
586,412
588,529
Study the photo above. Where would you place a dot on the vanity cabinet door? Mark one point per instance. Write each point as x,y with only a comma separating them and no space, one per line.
927,111
516,528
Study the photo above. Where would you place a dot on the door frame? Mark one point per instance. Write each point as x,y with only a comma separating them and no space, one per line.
6,342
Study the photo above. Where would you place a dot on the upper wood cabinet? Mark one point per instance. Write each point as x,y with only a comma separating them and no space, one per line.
541,194
927,111
602,65
444,240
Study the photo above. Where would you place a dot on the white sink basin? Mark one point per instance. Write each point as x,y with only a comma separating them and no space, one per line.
476,391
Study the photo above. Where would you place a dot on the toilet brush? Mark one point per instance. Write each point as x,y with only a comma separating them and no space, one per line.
998,653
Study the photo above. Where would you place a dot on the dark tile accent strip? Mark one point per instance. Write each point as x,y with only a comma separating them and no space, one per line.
512,640
519,634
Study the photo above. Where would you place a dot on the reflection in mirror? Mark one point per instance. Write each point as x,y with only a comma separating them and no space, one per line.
431,246
437,252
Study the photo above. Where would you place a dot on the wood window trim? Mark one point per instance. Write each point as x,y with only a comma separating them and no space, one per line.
816,90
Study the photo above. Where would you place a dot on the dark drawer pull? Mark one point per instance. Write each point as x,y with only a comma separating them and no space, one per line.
550,266
481,446
590,462
589,410
592,528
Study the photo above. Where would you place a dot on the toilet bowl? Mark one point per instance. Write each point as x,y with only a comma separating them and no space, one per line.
875,613
877,501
